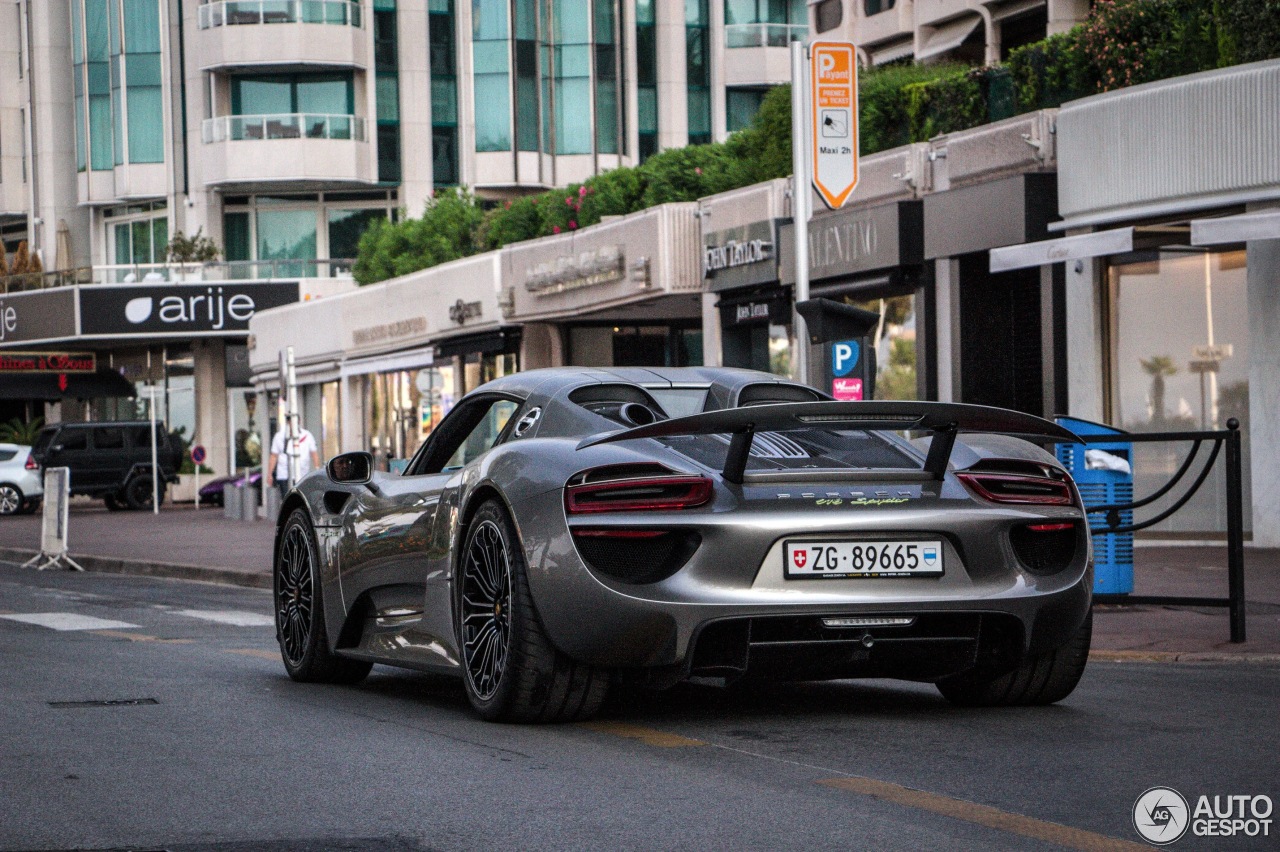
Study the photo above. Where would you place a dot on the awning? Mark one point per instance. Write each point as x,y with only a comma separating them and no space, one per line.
52,387
1115,241
1264,225
946,37
415,359
890,52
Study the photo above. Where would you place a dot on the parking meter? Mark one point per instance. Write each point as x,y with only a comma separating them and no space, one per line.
842,355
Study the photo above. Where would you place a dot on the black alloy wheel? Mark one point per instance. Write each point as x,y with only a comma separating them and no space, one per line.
138,493
294,595
486,608
10,499
299,611
512,671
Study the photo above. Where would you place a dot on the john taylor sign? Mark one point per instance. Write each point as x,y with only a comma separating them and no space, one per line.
200,309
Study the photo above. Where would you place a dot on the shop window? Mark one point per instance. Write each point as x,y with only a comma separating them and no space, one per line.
1179,360
895,343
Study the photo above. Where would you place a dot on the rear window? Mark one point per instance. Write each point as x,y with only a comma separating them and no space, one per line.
801,449
43,440
7,455
679,402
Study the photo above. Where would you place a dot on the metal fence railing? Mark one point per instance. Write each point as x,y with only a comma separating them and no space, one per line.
1110,519
236,128
763,35
179,273
235,12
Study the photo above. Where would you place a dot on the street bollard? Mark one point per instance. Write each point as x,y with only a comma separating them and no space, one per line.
231,501
248,503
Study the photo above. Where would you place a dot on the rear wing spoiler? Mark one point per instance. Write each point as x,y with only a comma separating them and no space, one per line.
943,419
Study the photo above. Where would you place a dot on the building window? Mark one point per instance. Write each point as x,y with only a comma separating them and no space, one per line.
875,7
741,106
491,59
444,93
571,30
765,23
139,234
278,94
827,15
142,77
697,29
298,235
1179,354
646,78
387,90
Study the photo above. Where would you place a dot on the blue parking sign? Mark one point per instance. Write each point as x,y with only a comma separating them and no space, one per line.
844,357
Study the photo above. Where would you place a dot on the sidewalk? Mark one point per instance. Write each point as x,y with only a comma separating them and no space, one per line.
202,545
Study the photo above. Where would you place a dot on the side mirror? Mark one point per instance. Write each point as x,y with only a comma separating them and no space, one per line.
351,468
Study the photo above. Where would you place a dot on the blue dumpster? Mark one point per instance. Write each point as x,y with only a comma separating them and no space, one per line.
1101,475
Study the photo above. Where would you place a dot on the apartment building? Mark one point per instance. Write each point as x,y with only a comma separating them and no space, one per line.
972,31
279,128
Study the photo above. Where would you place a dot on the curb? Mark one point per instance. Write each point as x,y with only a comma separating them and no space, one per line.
142,568
1179,657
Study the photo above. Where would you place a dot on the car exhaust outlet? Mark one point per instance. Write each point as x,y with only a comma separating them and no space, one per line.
868,640
869,621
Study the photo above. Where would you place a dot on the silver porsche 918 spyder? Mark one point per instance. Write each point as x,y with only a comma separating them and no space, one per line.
564,529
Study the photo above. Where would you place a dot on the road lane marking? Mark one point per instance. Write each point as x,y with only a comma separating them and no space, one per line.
985,815
648,736
140,637
255,652
235,618
68,621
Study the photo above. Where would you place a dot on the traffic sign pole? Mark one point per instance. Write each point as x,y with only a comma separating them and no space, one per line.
801,176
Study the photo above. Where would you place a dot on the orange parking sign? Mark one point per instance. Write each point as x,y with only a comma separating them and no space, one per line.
833,70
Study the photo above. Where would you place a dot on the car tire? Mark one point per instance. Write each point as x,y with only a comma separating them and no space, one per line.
114,502
137,493
511,670
299,613
1043,679
31,505
10,499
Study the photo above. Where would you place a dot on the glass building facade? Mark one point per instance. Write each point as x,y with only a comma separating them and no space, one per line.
561,64
697,58
118,89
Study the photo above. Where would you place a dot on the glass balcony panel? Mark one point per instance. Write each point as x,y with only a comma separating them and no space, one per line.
234,12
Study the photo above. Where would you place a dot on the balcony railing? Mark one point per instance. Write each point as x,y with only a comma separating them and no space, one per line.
177,273
233,12
237,128
763,35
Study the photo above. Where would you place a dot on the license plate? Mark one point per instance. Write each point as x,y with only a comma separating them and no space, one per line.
803,560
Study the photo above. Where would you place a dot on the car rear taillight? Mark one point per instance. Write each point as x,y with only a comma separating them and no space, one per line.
1043,490
636,494
32,464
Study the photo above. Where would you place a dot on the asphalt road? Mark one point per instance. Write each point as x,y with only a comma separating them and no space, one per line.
211,747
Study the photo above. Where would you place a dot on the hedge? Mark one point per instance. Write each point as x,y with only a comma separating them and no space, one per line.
1124,43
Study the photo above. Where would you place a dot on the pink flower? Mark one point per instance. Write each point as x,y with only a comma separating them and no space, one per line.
555,229
582,192
508,205
698,170
572,224
568,201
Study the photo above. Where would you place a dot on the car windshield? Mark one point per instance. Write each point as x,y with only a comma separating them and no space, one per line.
801,449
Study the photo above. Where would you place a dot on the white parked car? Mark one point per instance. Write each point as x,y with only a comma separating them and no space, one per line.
21,488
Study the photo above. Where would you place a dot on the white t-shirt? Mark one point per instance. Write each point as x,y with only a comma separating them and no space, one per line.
304,445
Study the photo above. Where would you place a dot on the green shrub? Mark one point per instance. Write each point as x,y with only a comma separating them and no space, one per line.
1248,30
950,103
883,103
447,231
1051,72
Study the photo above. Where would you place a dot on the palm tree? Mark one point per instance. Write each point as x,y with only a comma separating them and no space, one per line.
1158,367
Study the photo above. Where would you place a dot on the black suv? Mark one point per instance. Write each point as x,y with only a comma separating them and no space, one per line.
110,460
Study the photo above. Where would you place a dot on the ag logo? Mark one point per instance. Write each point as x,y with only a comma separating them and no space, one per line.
1161,815
800,557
